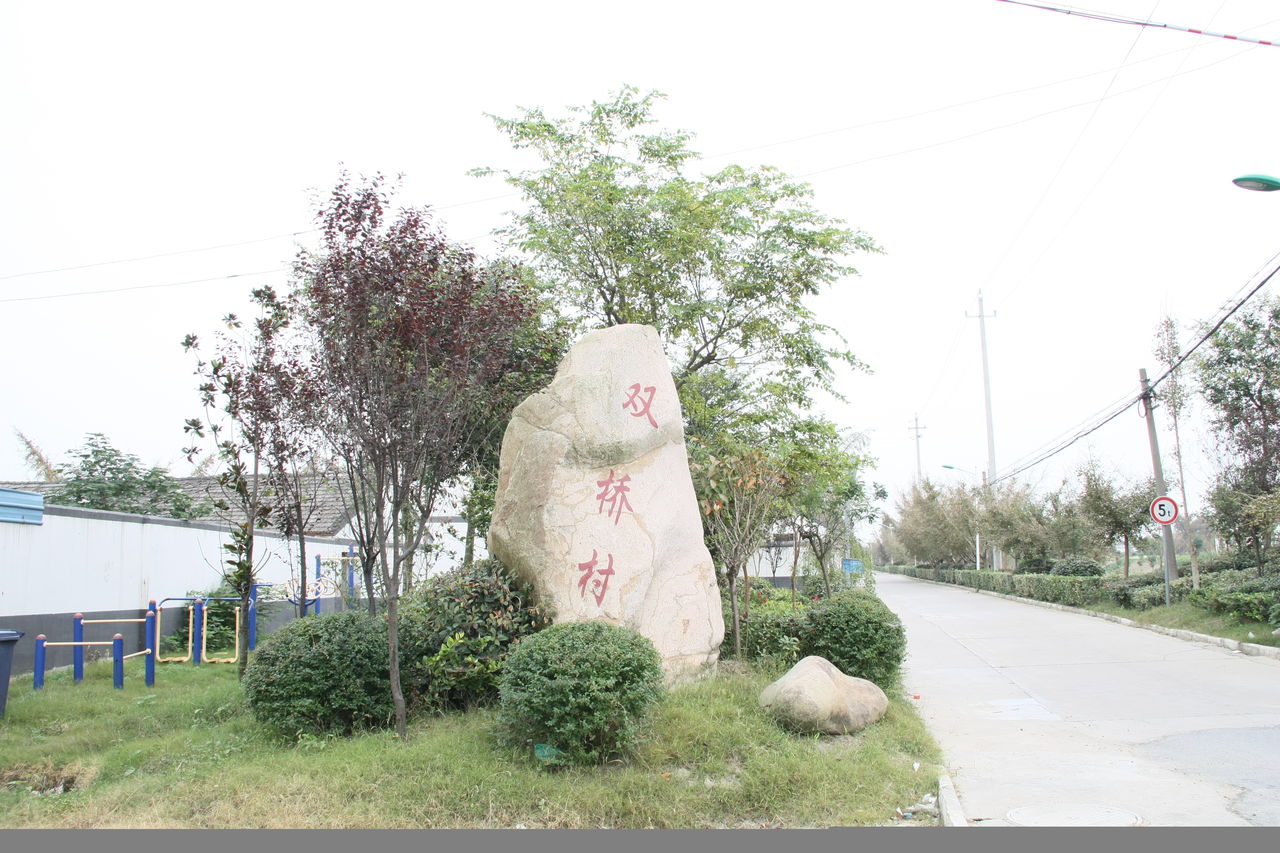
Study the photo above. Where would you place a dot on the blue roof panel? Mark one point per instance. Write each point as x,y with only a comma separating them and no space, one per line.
21,507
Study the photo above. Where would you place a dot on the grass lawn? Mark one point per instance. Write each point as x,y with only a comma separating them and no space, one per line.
1188,617
187,753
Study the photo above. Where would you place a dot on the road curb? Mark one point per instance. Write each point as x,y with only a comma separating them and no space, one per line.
1191,636
949,803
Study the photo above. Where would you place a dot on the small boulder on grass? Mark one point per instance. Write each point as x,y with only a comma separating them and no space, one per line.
814,696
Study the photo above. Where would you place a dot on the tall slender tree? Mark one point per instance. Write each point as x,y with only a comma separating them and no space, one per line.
411,334
1173,392
243,410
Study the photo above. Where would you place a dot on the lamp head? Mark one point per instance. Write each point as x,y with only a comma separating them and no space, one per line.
1258,183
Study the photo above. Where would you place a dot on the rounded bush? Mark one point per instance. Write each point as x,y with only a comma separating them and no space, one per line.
1034,566
455,632
1076,568
322,675
576,692
859,634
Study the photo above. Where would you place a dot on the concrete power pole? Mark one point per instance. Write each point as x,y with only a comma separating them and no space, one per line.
1170,559
997,559
918,429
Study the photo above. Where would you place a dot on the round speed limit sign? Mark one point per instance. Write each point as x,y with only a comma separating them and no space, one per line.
1164,510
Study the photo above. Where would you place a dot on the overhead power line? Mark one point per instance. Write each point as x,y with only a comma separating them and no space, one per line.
1116,19
153,257
140,286
1114,412
704,157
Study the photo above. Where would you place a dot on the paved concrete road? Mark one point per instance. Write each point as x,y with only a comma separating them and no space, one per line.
1054,718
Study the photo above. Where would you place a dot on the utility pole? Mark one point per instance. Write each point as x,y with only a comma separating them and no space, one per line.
1170,560
918,429
997,561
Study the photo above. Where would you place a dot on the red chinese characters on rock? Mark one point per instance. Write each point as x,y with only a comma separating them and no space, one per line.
639,408
614,493
595,580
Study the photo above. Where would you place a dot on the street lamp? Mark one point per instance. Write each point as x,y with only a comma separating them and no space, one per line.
977,537
1258,183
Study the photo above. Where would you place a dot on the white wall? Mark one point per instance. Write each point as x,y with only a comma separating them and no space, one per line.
90,560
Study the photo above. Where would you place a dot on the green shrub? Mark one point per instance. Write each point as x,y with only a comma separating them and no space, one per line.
1076,568
577,692
859,634
1239,592
993,581
1034,566
774,631
322,675
1072,591
1146,597
455,631
812,586
1123,590
1225,561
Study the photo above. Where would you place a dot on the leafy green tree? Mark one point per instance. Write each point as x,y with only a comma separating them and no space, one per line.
1239,373
720,265
834,507
103,477
1038,527
937,525
1233,494
1117,512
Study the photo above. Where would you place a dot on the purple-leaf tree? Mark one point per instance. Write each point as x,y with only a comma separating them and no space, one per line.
410,334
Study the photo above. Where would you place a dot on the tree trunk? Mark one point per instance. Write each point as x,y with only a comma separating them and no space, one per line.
732,574
242,632
1126,556
746,596
302,560
795,561
368,589
468,554
391,582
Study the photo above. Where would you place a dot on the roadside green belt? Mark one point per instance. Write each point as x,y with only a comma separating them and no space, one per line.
1243,594
1074,591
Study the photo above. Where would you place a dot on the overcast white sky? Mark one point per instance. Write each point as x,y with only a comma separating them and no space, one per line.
1077,172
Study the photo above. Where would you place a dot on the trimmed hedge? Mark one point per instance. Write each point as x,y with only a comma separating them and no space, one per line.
1073,591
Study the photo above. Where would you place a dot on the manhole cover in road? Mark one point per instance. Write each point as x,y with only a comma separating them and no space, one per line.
1072,814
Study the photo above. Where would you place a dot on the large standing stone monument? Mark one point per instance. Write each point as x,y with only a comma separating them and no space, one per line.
595,506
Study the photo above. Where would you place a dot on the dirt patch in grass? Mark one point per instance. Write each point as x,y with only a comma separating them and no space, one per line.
44,777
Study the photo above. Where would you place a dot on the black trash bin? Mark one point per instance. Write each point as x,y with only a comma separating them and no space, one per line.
7,640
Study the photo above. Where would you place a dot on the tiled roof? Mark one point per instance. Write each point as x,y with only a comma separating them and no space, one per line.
324,512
